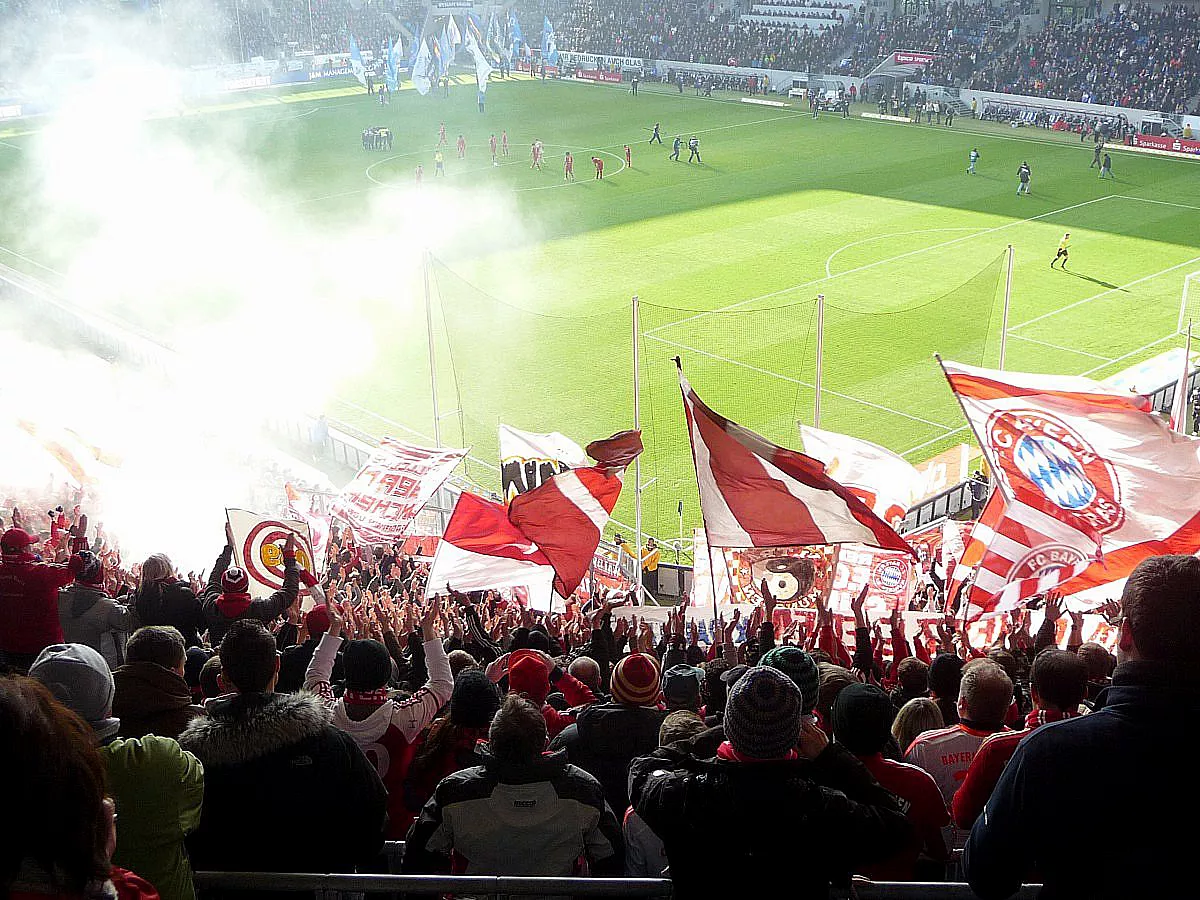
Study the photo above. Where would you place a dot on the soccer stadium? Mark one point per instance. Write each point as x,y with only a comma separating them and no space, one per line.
604,415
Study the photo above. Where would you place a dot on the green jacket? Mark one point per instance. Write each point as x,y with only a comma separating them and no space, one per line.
158,788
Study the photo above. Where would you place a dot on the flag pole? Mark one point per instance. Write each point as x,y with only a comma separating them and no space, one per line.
712,575
1179,407
637,462
820,359
679,546
433,393
1007,299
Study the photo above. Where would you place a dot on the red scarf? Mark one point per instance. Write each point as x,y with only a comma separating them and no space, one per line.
726,751
233,605
1044,716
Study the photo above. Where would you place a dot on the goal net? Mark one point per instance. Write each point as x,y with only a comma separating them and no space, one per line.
1189,303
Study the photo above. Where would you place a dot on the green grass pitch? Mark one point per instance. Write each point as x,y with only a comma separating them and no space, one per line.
533,315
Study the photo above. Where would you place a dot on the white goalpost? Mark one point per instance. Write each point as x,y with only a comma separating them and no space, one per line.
1189,303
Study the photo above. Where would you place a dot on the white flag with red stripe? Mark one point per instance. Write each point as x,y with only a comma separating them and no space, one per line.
1081,469
885,481
755,494
482,550
566,515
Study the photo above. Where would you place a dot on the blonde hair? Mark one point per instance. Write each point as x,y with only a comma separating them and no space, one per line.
156,567
917,715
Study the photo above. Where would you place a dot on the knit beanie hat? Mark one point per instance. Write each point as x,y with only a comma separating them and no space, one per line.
945,674
316,620
681,684
862,718
88,568
635,680
527,675
80,680
367,665
234,581
474,701
797,665
762,716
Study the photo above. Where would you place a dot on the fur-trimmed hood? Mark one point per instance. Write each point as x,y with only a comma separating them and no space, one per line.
240,728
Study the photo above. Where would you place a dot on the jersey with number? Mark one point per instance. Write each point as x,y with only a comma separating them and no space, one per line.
946,754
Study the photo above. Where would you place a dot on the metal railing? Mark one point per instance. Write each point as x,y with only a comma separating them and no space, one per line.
329,887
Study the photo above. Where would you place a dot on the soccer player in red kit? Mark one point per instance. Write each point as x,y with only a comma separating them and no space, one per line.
628,160
599,164
462,147
492,144
442,135
504,143
568,167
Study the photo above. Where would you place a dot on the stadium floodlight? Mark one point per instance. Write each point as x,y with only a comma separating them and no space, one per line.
1189,303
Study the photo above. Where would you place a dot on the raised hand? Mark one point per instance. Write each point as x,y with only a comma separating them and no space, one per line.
429,620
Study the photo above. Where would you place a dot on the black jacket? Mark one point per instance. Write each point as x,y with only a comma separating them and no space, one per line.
1120,781
743,829
266,610
172,604
284,791
605,739
503,820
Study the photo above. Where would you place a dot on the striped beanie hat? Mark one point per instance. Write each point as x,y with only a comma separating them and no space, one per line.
635,680
762,716
801,668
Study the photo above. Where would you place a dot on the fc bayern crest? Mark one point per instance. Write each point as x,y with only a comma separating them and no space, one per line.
888,576
1044,560
1049,466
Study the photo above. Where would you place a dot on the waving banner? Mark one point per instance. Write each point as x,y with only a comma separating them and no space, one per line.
384,498
258,548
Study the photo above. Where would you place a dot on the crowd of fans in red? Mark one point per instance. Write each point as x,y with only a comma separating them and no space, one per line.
240,734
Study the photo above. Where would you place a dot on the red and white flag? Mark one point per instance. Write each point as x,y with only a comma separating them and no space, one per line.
755,494
566,515
885,481
482,550
385,496
1083,471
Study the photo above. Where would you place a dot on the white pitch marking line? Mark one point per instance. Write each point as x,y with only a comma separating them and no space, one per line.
1159,202
879,237
1125,356
1105,293
881,262
1057,347
32,262
798,381
940,437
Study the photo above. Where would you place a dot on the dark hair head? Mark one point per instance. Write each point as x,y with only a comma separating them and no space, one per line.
158,644
367,665
862,718
248,656
518,732
913,675
678,726
210,672
1005,660
1060,679
55,789
1161,604
1099,661
986,692
945,673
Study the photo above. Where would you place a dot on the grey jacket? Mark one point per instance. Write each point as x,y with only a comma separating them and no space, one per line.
88,616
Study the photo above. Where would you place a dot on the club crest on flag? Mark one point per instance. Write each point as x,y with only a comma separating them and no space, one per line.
889,575
1045,559
1042,458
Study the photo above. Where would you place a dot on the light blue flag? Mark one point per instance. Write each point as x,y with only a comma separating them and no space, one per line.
392,53
422,68
517,37
549,44
356,62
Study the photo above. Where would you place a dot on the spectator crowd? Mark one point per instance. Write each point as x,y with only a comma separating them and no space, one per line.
243,734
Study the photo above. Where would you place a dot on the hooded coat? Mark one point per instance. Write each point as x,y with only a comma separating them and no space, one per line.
29,603
151,699
89,616
171,603
285,791
222,610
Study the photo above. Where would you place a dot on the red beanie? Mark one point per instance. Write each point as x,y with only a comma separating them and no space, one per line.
635,680
527,675
316,620
235,581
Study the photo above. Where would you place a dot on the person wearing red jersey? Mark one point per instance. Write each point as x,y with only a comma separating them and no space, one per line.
1058,681
492,145
385,729
29,588
462,147
504,143
568,167
442,135
984,697
599,164
861,719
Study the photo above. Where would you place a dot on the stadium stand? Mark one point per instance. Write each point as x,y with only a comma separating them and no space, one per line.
1138,55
